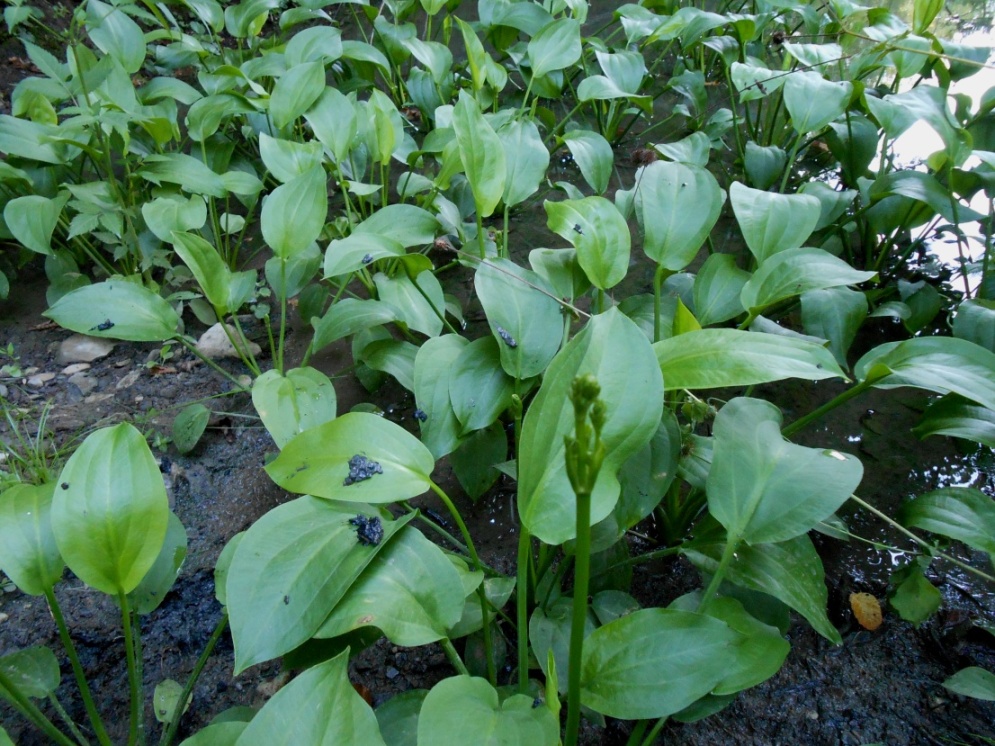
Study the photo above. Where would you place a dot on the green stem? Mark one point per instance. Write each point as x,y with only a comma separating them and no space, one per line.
447,647
924,544
174,721
84,688
732,543
522,607
135,684
481,594
659,278
209,362
791,162
582,578
830,405
32,713
504,234
480,233
651,736
60,710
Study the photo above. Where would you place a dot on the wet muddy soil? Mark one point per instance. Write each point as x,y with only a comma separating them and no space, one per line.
878,687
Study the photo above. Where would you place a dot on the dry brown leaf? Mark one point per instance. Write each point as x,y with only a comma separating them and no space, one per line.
867,610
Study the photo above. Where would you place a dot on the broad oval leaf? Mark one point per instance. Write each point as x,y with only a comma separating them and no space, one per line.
959,418
207,266
434,368
598,232
28,552
289,571
593,156
942,364
110,510
420,302
677,206
764,489
113,32
834,314
813,102
794,271
467,710
773,222
960,513
316,462
554,47
717,288
349,254
164,215
481,153
33,219
189,426
299,713
972,681
149,593
33,671
479,388
408,225
617,353
526,160
350,316
294,213
295,91
292,403
116,309
654,662
975,322
410,591
715,358
286,159
520,304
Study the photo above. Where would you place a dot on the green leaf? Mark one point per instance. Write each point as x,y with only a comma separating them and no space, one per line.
813,102
110,511
973,682
498,590
913,596
422,307
764,489
136,314
717,288
716,358
560,269
189,426
191,175
333,121
316,462
163,215
941,364
410,591
28,552
394,357
467,710
147,596
555,47
764,166
286,159
32,220
523,306
479,389
598,232
292,403
113,32
34,672
975,322
773,222
653,663
5,738
474,461
593,156
319,43
408,225
834,314
398,716
794,271
295,91
29,140
434,369
165,698
207,266
299,713
526,160
615,351
481,153
289,571
959,513
954,416
294,213
790,571
350,316
549,634
677,206
222,567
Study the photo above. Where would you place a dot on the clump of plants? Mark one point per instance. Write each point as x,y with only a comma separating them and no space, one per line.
370,167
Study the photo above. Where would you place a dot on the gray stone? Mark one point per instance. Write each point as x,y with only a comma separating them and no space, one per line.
214,343
129,379
71,370
84,382
82,349
40,379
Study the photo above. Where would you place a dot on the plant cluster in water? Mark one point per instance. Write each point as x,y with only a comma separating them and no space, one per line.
372,166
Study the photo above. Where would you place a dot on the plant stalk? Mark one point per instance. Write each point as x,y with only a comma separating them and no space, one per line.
830,405
32,713
582,578
135,685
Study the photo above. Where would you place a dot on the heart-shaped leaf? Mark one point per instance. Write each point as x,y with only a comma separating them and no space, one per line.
773,222
110,510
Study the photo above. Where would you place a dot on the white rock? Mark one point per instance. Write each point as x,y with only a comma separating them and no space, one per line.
214,343
71,370
40,379
129,380
82,349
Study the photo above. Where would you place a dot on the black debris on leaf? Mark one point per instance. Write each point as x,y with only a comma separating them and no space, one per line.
578,229
369,531
361,469
505,336
420,415
103,326
368,259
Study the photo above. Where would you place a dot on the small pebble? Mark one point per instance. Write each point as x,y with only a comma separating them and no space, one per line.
40,379
82,349
71,370
129,379
392,673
